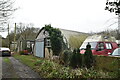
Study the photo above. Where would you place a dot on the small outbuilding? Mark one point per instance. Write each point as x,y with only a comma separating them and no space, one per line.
25,44
42,42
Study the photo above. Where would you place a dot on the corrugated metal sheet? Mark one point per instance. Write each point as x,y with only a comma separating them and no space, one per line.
96,38
39,49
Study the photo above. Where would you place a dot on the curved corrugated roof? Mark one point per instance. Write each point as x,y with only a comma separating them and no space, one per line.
96,38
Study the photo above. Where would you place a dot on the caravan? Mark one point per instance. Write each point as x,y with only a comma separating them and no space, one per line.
100,45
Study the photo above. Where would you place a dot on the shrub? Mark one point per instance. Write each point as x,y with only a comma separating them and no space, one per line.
56,59
21,52
88,57
38,62
29,49
65,57
73,59
56,39
50,69
76,59
92,73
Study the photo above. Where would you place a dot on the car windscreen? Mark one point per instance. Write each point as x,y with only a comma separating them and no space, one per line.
116,52
93,45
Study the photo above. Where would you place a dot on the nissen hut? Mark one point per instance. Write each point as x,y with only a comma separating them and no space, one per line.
42,42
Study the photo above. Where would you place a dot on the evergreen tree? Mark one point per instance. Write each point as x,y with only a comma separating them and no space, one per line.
78,58
73,61
66,57
56,39
88,57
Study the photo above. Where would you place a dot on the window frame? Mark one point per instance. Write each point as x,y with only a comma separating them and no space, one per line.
108,46
100,47
47,42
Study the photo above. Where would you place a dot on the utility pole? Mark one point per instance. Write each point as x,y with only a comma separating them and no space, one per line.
8,36
15,37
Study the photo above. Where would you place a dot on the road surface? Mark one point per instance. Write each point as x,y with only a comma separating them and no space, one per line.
15,69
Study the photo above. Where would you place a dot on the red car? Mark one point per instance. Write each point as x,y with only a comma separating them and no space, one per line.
99,46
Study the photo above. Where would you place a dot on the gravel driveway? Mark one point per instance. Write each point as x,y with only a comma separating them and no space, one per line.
7,70
16,69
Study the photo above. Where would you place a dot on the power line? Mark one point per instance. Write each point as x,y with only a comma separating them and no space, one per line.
114,6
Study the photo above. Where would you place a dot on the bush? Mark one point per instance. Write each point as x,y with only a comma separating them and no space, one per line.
21,52
88,57
65,57
76,59
24,52
56,59
73,59
29,49
56,39
50,69
38,62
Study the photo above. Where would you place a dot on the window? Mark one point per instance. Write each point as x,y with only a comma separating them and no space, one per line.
101,46
28,44
47,42
93,45
108,46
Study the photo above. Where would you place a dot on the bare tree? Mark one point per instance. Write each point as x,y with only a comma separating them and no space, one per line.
26,30
114,6
6,10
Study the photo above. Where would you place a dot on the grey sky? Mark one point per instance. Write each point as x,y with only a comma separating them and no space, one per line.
77,15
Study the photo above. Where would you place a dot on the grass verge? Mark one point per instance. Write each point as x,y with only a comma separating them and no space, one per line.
6,59
28,60
50,69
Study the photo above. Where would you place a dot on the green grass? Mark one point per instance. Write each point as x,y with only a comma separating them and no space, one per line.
107,63
7,60
50,69
29,60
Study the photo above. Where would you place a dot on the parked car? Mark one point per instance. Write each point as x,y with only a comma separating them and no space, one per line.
100,45
5,51
118,42
116,52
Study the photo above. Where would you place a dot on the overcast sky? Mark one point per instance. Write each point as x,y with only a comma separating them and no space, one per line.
77,15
